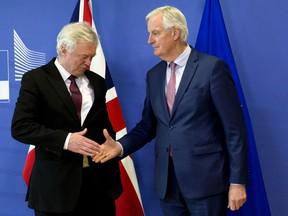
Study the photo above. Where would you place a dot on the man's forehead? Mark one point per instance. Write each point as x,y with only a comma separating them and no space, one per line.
155,24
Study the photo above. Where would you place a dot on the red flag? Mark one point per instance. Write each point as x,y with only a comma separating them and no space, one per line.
129,203
28,164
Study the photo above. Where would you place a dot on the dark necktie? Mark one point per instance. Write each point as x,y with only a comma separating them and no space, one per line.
76,95
171,87
77,99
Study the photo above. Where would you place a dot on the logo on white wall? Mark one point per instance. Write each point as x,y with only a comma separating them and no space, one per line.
4,76
24,60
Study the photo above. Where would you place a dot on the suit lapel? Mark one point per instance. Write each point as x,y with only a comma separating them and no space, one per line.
160,84
99,90
187,76
59,86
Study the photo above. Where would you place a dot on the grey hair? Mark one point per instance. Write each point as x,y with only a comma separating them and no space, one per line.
73,33
172,17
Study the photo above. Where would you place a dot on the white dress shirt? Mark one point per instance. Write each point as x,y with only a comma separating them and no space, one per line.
85,89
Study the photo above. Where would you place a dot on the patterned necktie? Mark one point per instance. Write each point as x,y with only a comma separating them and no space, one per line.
76,95
77,99
171,87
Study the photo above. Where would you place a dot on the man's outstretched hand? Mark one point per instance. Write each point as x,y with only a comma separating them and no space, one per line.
78,143
108,150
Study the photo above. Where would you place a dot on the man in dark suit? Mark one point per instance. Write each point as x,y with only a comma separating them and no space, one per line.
201,164
64,181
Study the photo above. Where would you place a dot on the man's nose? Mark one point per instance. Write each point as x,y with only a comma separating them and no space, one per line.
150,39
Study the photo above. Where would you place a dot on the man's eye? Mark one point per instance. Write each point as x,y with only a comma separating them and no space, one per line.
155,33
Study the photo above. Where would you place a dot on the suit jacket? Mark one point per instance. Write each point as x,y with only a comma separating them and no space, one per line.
206,129
44,115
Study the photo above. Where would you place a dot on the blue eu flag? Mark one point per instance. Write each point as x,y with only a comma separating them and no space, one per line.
213,39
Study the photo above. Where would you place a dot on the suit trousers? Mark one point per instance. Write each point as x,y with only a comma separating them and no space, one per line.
175,203
92,200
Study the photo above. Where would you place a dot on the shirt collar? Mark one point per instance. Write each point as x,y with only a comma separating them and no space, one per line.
64,73
182,59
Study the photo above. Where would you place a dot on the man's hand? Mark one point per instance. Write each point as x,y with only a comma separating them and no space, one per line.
237,196
78,143
108,150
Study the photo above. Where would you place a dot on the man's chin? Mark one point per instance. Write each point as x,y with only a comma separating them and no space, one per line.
83,70
156,53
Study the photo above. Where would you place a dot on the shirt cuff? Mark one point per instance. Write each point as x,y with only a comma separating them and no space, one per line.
235,184
65,147
122,151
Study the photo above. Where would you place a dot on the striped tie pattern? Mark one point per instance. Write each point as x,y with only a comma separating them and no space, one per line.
171,87
76,95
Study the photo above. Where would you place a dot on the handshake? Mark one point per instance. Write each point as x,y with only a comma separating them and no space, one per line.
108,150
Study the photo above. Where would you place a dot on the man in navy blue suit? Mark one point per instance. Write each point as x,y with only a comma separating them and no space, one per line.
201,162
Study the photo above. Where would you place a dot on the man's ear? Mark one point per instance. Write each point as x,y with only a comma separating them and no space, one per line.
63,49
176,33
